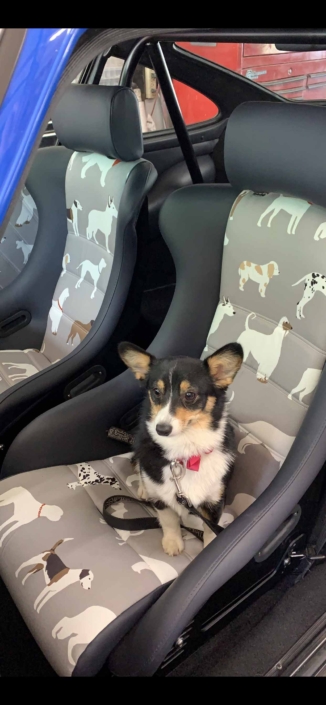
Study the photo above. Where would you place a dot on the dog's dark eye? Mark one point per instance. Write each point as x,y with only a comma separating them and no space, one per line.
156,392
190,397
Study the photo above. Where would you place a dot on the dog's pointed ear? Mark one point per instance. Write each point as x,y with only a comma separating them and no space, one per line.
136,358
224,364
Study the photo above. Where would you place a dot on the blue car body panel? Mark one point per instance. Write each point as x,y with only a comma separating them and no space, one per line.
42,60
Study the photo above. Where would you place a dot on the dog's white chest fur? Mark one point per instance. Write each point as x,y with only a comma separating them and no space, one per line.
203,485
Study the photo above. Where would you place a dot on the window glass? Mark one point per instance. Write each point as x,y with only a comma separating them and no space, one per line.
154,114
294,75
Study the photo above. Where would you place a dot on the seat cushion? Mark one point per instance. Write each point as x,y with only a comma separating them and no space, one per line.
17,365
93,572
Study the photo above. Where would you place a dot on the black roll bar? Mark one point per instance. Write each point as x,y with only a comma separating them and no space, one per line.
166,84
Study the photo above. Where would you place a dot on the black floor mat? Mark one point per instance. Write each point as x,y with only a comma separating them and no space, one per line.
260,635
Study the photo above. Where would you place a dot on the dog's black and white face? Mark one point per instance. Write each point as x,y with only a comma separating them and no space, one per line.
185,397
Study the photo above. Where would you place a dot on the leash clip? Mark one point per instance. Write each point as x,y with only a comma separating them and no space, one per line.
177,472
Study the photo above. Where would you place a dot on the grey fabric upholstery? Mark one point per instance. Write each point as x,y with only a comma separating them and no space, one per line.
101,125
203,209
17,242
88,204
272,243
55,509
272,298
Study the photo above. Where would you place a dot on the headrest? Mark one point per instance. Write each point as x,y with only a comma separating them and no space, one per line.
278,148
102,119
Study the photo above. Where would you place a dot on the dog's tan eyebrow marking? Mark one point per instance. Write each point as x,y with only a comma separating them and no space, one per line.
209,406
155,408
160,384
184,386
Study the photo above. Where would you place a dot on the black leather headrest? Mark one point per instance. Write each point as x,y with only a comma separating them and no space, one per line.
278,147
102,119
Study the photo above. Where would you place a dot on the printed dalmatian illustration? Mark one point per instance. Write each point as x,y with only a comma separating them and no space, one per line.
313,282
88,476
259,273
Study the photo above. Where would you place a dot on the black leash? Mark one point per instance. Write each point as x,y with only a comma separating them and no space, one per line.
145,523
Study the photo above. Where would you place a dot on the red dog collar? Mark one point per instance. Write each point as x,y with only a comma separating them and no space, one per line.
193,463
40,509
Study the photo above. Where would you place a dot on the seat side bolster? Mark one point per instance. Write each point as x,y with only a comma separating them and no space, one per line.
193,223
157,631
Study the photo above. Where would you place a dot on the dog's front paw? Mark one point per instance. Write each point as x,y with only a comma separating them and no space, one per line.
172,544
142,492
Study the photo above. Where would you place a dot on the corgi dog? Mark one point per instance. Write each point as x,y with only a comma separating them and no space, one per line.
184,420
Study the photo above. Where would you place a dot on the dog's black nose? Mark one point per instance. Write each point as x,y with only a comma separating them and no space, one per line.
163,429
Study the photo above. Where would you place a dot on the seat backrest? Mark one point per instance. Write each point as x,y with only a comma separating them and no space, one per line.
273,285
17,242
94,185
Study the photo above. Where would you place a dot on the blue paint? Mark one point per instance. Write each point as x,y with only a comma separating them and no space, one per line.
42,60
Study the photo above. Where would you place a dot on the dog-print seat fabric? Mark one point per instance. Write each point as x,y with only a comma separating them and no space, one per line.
18,240
73,578
70,574
94,186
272,300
